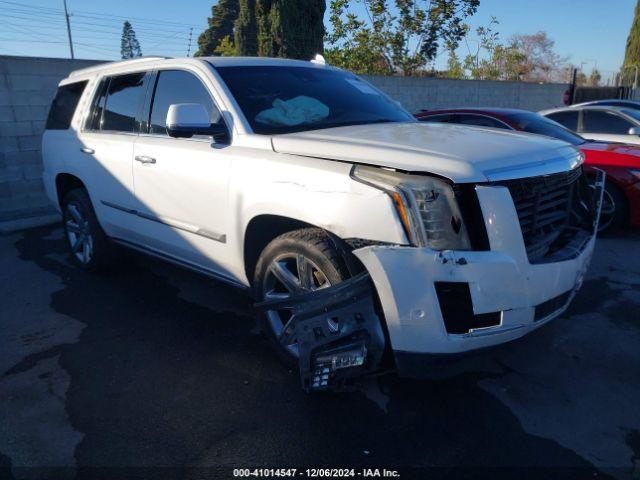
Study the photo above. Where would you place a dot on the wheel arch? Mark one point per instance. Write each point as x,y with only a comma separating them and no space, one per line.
260,231
65,182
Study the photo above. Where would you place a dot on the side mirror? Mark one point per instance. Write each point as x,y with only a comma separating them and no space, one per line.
184,120
634,131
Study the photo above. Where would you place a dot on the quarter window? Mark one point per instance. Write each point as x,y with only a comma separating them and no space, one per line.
177,86
64,106
596,121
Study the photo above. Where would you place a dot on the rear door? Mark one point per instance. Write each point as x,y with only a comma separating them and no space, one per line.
107,145
181,183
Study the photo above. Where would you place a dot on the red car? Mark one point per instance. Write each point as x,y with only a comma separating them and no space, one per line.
620,162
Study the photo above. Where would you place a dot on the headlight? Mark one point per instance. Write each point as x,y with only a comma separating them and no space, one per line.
427,207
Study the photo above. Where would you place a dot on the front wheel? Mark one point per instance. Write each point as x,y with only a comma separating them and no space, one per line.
90,247
296,262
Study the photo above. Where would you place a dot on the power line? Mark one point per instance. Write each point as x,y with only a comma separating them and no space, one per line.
86,14
89,30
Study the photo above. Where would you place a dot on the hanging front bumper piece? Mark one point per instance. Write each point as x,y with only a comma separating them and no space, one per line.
338,333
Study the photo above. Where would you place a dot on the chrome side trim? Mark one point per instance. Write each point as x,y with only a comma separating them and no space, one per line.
218,237
118,207
179,262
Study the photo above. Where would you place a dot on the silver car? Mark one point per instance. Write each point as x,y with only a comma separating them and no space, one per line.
609,124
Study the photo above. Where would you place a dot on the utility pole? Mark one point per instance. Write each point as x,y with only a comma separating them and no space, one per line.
572,89
190,35
66,16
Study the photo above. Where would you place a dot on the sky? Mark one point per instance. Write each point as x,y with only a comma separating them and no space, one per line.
589,32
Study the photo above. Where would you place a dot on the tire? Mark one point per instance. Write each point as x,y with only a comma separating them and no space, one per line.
317,248
93,250
615,210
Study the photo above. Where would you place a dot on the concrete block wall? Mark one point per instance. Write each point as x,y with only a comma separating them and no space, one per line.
28,84
416,93
27,87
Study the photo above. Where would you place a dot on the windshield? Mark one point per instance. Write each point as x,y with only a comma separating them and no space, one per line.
534,123
277,99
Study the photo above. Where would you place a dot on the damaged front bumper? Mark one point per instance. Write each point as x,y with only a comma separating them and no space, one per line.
439,303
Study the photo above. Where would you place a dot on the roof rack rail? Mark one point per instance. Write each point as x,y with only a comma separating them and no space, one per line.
101,66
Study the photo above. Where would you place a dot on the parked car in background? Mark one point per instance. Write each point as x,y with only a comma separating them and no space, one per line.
611,124
358,229
631,104
621,203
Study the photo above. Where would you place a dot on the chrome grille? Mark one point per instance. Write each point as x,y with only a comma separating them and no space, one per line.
544,210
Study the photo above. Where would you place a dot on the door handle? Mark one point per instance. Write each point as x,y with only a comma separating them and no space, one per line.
145,159
87,150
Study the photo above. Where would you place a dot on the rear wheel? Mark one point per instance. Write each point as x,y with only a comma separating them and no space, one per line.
294,263
90,247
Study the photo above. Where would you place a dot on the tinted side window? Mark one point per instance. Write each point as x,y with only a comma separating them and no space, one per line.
176,86
595,121
479,120
124,99
64,106
567,119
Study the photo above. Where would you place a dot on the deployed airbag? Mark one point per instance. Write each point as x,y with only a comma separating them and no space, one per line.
296,111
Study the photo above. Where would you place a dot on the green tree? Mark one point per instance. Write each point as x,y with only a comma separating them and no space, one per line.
395,36
246,40
263,23
129,45
595,77
479,61
281,28
296,29
632,54
225,48
523,58
455,69
221,23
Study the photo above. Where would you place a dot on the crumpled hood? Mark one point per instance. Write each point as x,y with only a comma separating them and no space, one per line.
460,153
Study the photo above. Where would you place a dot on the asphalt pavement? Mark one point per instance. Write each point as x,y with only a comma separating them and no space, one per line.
151,371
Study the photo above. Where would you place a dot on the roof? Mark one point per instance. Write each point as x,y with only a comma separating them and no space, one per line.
215,61
108,65
257,61
599,102
576,107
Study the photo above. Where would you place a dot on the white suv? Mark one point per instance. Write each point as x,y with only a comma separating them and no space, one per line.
360,230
